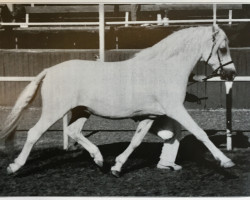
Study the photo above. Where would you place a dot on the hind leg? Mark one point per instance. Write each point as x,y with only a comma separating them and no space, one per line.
141,131
48,118
171,136
168,155
34,135
76,123
74,131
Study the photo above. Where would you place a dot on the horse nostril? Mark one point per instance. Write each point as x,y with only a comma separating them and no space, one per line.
228,75
232,75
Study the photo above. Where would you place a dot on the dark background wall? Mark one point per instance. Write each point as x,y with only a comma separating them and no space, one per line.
132,37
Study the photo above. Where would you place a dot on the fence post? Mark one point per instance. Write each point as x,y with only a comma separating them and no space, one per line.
229,85
101,33
126,18
214,13
65,136
230,15
159,20
25,25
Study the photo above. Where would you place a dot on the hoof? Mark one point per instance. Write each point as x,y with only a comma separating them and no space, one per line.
105,168
116,173
13,167
173,167
228,164
9,170
99,163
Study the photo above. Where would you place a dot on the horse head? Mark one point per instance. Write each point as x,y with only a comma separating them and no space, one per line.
217,55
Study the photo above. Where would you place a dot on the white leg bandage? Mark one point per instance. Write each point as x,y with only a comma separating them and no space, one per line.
170,148
168,156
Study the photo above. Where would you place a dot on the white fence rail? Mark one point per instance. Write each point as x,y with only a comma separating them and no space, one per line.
30,78
27,24
164,21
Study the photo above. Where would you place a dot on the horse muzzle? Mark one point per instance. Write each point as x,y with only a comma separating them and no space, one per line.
228,75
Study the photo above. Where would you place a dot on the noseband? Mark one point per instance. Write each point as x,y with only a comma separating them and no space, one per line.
215,72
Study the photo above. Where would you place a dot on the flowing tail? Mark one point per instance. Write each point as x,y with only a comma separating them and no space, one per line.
22,102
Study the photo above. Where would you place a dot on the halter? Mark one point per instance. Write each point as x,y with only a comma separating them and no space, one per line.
215,72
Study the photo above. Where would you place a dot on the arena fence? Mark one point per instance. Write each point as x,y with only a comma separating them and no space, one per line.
159,21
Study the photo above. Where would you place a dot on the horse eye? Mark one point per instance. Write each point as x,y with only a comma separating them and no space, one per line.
223,50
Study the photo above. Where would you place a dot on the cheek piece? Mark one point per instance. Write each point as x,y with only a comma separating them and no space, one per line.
215,72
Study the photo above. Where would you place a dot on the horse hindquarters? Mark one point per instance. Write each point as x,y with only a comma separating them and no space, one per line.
54,107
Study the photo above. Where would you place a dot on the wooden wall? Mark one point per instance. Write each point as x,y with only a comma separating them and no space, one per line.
31,62
118,37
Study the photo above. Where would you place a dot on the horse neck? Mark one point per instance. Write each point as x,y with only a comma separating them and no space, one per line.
183,64
181,51
187,62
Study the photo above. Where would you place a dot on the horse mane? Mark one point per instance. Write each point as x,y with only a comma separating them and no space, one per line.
176,43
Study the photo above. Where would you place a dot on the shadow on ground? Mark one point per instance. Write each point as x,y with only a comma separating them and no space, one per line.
54,172
147,154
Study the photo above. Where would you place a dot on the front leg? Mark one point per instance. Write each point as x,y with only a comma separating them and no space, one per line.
140,133
180,114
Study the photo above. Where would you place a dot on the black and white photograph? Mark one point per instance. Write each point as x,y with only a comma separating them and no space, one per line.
124,99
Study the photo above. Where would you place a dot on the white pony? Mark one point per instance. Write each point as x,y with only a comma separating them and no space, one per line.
151,84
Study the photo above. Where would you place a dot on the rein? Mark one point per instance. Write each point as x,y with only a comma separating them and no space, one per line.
214,73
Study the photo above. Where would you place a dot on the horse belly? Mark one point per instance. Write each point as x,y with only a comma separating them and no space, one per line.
106,102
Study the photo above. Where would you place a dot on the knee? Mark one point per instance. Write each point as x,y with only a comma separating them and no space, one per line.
165,134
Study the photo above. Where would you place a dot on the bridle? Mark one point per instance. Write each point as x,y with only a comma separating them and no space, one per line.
215,72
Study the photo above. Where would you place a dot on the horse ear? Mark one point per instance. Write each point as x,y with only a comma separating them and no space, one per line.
216,30
215,33
215,27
